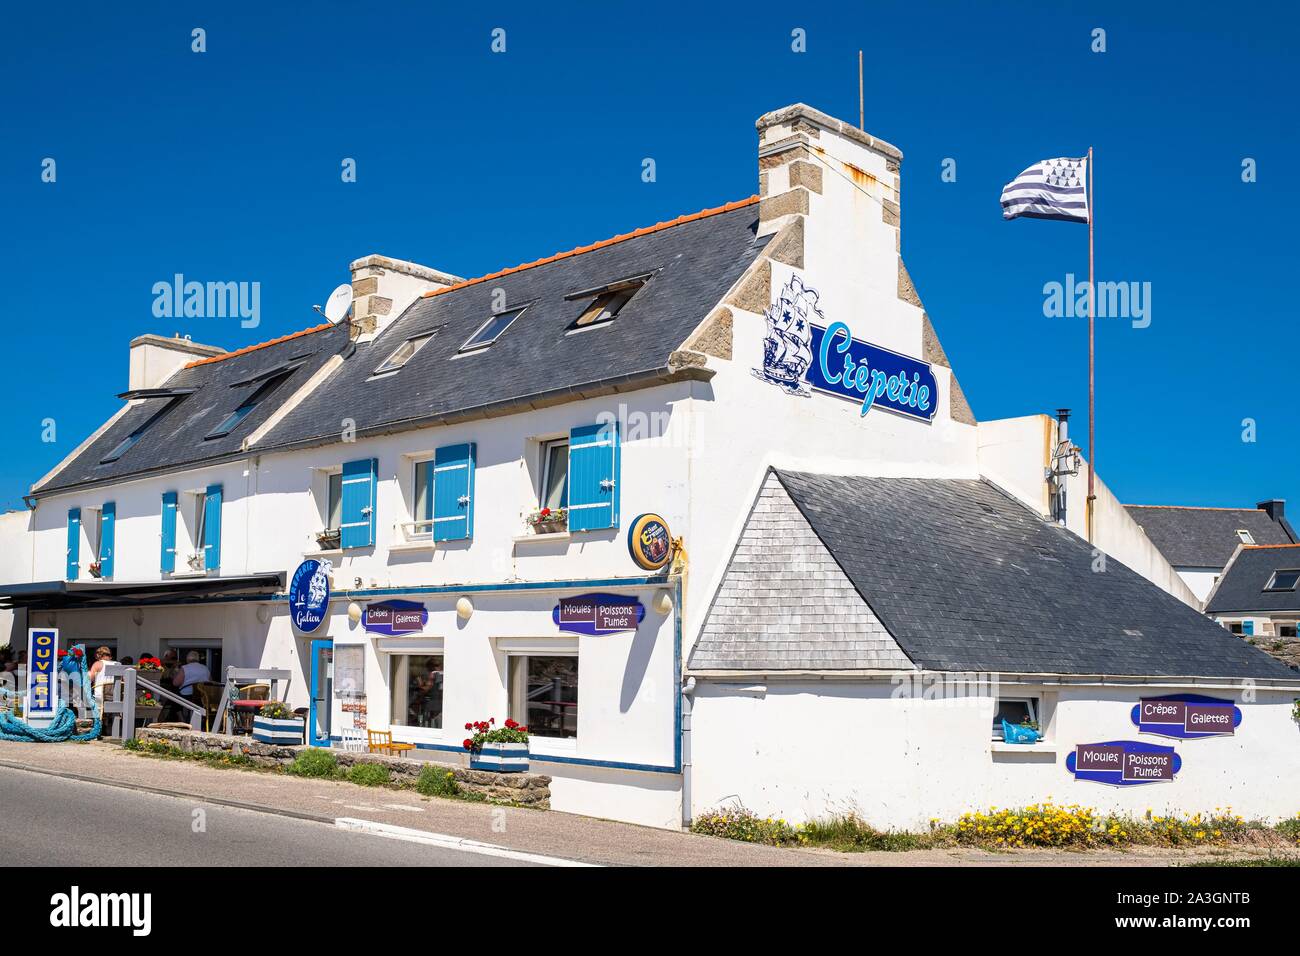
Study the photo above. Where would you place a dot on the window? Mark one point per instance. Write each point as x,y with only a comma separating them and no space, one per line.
200,514
1286,630
333,500
1236,627
604,308
422,513
491,330
405,352
246,407
1283,580
1245,536
1015,710
555,474
416,682
121,447
544,694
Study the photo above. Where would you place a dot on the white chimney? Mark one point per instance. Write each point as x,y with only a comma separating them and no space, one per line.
384,288
155,358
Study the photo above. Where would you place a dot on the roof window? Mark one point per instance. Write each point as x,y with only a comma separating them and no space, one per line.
1283,580
121,447
491,330
1245,536
259,394
607,301
403,353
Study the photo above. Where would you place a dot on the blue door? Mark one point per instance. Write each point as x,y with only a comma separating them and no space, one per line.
322,687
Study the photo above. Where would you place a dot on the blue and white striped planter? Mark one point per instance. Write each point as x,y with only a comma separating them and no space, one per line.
501,758
272,730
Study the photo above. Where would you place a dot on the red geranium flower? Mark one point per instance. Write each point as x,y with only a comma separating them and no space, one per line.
545,511
78,652
469,726
468,744
510,724
63,653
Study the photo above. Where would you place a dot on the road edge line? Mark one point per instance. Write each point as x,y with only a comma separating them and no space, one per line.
449,842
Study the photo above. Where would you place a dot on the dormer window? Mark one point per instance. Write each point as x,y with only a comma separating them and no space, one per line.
1283,580
404,353
172,395
491,330
605,302
1245,536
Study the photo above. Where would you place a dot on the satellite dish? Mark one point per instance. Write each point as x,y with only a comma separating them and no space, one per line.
337,305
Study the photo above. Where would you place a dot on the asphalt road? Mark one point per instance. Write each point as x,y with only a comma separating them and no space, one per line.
51,821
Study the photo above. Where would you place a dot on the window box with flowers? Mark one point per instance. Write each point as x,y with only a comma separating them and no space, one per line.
96,569
148,706
501,749
548,520
275,723
149,668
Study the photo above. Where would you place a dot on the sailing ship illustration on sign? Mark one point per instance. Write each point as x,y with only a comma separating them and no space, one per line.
787,349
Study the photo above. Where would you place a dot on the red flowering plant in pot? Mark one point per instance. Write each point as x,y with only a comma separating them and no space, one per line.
501,749
147,663
548,520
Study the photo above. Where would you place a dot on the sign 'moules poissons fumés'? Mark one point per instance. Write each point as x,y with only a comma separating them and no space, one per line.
1123,763
1186,716
598,614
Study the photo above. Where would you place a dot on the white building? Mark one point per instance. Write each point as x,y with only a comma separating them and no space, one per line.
675,371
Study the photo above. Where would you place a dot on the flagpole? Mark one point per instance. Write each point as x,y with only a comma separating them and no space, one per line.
1092,368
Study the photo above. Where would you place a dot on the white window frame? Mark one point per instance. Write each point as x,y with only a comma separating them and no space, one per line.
393,648
523,647
467,348
544,468
1034,706
1273,578
1245,536
390,365
189,529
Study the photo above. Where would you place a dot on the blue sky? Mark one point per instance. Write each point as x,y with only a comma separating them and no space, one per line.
225,166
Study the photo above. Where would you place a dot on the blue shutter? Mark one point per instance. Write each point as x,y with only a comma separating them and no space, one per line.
593,477
357,513
168,563
74,542
107,521
212,528
453,492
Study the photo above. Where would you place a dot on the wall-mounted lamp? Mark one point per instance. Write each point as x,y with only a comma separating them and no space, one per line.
263,614
137,615
354,612
464,608
663,602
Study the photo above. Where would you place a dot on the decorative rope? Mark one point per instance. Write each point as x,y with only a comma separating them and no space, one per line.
63,727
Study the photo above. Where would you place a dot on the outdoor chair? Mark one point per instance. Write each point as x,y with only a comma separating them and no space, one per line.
352,740
255,692
381,741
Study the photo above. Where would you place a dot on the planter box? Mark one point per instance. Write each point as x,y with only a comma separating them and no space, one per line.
270,730
501,758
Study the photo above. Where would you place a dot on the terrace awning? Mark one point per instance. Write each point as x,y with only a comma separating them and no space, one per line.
58,595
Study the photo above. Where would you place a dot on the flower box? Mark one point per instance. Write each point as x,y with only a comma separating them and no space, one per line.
328,540
500,758
278,730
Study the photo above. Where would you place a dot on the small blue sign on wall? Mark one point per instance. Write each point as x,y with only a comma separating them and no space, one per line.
309,595
598,614
42,667
1123,763
395,617
1186,716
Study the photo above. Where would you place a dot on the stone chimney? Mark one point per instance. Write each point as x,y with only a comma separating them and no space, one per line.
384,288
155,358
830,194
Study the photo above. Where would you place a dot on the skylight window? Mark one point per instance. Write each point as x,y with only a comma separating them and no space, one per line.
121,447
403,354
1283,580
607,301
246,407
491,330
1245,536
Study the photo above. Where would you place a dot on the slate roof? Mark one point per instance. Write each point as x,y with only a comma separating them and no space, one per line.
1204,537
1241,588
694,264
176,440
785,604
965,578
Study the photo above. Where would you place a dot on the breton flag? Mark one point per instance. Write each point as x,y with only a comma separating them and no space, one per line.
1051,189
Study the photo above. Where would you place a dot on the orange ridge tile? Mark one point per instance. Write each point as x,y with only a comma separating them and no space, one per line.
1264,547
260,345
644,231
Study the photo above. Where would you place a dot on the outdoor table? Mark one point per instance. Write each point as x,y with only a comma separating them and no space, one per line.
239,709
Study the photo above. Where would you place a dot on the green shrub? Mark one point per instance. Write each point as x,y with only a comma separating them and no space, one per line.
740,824
314,762
369,774
850,834
1290,829
437,781
276,710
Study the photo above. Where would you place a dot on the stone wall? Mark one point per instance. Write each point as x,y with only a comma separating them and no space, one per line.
528,789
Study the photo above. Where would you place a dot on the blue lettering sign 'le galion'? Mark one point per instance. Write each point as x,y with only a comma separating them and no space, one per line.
801,353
